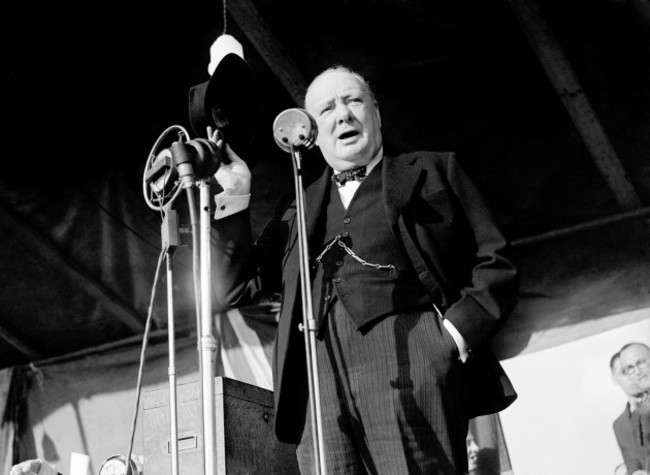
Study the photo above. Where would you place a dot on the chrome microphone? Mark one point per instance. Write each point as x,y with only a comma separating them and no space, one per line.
294,128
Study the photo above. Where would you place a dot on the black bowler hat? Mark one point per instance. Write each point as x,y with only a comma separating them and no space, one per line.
228,101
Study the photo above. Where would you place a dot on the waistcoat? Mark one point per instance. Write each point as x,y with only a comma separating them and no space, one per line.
387,283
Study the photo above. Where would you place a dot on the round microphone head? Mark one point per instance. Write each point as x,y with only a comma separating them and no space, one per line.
228,101
294,128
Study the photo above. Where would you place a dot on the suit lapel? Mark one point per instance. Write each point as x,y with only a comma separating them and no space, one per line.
400,176
314,196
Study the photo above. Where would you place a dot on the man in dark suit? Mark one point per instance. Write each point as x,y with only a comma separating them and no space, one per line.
631,371
410,281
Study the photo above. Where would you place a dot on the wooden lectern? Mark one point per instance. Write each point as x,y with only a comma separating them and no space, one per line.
246,443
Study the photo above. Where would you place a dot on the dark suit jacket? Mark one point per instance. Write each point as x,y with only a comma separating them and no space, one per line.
627,431
452,240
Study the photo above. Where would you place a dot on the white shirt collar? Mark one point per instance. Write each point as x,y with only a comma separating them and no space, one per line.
639,400
346,192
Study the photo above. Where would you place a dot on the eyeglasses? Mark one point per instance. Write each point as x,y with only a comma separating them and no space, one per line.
633,368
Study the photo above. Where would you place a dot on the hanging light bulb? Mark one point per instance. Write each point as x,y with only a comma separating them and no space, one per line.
229,100
223,45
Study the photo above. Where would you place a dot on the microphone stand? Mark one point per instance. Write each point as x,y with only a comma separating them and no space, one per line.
156,177
308,327
184,157
158,173
293,130
208,342
172,367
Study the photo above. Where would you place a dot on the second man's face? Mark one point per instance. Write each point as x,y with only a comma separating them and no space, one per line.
636,359
349,126
626,383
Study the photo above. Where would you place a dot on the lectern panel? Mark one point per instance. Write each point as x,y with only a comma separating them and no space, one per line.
244,431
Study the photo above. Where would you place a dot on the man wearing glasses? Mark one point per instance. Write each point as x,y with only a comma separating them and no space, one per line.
631,371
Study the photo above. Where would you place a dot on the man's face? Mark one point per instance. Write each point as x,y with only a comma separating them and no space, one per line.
349,126
629,386
472,452
635,362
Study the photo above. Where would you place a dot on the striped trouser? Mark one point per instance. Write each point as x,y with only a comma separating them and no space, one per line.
392,398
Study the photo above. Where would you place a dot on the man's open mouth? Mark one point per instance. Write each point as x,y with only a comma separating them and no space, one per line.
348,134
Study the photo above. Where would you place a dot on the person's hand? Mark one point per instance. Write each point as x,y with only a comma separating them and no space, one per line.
33,467
234,177
463,348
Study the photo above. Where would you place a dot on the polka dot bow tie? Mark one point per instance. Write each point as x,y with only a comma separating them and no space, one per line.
355,174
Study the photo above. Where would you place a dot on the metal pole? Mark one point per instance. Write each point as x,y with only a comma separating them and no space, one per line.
208,341
173,413
309,324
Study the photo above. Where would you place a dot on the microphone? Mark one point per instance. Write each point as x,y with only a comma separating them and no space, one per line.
184,160
294,128
197,158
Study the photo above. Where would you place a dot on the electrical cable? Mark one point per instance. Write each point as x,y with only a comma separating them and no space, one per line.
149,191
225,19
145,340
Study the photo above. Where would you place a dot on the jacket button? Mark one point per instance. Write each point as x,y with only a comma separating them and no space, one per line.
346,220
339,263
336,279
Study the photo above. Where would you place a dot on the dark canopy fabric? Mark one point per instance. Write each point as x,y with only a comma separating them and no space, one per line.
78,267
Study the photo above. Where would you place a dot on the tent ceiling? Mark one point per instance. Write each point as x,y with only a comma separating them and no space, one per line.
549,112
